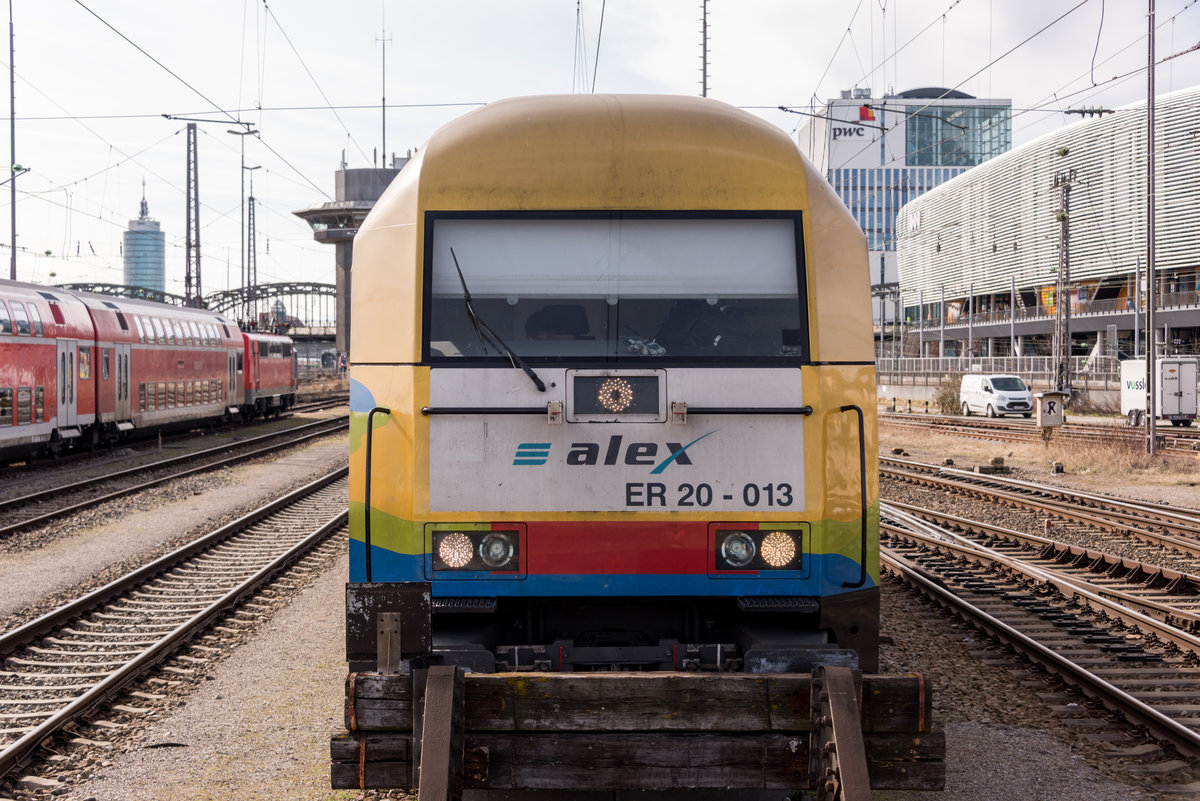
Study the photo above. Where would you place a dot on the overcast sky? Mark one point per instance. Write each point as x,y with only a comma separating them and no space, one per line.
95,77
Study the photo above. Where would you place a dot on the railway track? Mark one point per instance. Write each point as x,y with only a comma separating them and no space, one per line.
1121,637
50,503
1173,439
61,666
1143,530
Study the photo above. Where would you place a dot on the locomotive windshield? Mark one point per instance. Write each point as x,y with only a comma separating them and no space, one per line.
616,288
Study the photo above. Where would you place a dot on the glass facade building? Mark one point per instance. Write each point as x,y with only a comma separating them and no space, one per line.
987,244
955,136
880,153
145,253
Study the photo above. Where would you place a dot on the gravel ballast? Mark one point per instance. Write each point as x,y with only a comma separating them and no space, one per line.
259,726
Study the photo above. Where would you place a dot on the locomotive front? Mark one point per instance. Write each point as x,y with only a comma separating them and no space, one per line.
612,395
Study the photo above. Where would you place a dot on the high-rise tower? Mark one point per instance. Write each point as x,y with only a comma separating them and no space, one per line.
145,262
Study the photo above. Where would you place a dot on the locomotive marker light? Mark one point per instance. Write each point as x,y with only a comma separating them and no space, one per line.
455,550
756,551
476,551
778,549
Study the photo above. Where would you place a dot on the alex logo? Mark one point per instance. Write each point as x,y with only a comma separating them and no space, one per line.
615,451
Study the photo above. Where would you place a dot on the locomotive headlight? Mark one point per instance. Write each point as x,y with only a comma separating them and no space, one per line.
496,550
737,549
778,548
454,549
615,395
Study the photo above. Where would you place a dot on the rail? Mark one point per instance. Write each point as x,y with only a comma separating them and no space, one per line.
939,587
290,546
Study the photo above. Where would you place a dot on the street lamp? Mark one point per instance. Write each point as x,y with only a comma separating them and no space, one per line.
17,169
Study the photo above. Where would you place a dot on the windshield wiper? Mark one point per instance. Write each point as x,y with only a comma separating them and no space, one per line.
486,334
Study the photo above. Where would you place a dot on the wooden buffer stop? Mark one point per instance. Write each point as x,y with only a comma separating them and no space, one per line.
441,730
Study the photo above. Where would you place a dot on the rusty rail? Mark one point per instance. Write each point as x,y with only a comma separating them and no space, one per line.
837,760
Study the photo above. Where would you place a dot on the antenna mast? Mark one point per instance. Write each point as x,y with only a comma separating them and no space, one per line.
12,124
704,48
384,40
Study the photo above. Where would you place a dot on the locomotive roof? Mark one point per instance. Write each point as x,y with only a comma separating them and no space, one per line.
680,146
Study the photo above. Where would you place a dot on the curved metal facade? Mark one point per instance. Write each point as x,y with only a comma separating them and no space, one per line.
999,221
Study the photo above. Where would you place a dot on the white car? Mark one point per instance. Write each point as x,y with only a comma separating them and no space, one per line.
995,395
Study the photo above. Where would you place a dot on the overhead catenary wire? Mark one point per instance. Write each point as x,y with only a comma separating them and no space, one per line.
599,37
216,107
328,104
946,92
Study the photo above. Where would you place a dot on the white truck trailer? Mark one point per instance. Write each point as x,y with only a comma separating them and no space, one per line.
1175,387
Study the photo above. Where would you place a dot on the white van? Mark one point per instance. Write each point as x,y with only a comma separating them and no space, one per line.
995,395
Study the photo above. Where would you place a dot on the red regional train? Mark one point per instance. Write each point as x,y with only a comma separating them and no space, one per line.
81,370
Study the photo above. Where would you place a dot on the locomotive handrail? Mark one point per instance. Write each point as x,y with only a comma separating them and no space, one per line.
862,485
428,410
805,410
367,490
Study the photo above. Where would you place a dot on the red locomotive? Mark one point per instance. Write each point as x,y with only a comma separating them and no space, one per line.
78,369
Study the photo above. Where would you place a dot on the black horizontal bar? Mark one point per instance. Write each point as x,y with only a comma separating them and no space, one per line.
428,410
750,410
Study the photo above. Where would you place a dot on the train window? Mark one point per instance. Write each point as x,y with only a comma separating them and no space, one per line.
6,406
141,332
160,336
104,364
264,349
142,396
62,374
39,404
24,406
620,287
286,352
170,394
162,394
20,319
5,320
35,317
85,363
57,314
121,321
